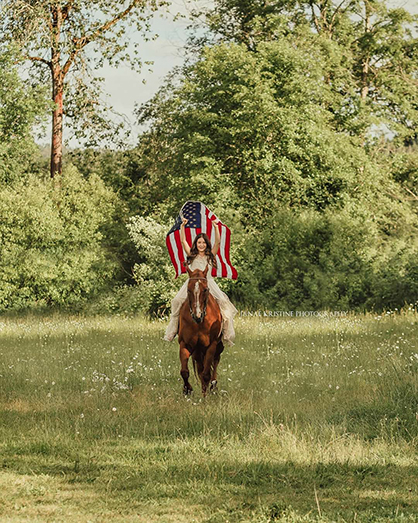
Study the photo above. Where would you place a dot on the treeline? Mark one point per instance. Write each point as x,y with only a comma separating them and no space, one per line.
295,122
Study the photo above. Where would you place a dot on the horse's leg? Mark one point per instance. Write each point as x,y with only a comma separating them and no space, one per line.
207,366
216,360
184,360
199,363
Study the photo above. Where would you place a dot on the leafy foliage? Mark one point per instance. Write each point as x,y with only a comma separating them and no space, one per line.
370,48
154,273
52,250
294,121
324,222
329,260
53,37
21,107
254,128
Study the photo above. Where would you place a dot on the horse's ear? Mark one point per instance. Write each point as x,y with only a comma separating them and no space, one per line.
189,271
205,271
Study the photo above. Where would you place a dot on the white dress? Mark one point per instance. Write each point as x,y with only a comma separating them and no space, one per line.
227,308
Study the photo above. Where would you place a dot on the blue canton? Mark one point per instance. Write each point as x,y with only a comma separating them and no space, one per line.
190,211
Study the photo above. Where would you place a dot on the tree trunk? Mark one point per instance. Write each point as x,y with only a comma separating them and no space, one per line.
57,117
366,59
57,91
365,80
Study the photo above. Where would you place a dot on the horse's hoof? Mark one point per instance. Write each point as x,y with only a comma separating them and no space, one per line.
187,391
213,385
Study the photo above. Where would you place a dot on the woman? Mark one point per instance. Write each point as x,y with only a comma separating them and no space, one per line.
198,256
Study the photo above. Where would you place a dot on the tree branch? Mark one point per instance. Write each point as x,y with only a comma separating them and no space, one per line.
66,9
337,10
114,20
402,198
80,43
38,59
415,197
315,19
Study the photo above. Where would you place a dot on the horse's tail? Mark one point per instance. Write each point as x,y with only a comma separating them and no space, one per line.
194,367
201,356
212,368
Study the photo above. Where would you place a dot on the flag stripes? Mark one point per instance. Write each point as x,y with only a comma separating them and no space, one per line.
200,219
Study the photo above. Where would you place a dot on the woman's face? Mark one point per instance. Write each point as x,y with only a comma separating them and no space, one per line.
201,245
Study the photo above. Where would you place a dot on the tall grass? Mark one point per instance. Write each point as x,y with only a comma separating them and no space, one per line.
315,420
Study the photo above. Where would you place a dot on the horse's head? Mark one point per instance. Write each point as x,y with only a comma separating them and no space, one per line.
198,292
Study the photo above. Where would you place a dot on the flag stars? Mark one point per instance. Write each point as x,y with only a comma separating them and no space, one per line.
199,218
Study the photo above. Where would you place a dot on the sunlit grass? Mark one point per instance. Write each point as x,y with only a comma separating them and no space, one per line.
315,420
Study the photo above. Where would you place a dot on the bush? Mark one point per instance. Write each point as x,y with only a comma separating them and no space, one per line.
120,299
51,250
339,259
154,274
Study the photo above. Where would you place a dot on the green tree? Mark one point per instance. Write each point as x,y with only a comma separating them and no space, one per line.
255,132
54,249
65,40
22,105
246,22
370,48
118,170
253,129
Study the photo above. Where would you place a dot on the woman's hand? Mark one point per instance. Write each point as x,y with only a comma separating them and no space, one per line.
215,247
183,236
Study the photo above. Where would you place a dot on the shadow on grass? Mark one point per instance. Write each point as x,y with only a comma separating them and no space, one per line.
340,490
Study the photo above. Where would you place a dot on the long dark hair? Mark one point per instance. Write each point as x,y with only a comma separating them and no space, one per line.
208,251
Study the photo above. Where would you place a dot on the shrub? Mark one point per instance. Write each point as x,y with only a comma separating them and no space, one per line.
154,274
51,242
307,260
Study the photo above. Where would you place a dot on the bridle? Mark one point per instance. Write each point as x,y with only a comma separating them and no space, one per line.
198,320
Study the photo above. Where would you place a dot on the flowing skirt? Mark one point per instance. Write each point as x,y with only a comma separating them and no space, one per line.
228,311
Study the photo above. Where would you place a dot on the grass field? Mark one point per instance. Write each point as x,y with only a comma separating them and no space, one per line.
316,419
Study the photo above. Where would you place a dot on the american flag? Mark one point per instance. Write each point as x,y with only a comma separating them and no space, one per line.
199,220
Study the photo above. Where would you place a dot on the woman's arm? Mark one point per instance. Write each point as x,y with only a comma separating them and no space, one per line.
183,237
215,247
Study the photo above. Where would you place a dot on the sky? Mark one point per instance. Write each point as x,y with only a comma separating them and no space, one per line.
126,88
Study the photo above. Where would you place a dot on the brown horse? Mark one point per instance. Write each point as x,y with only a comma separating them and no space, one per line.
200,325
